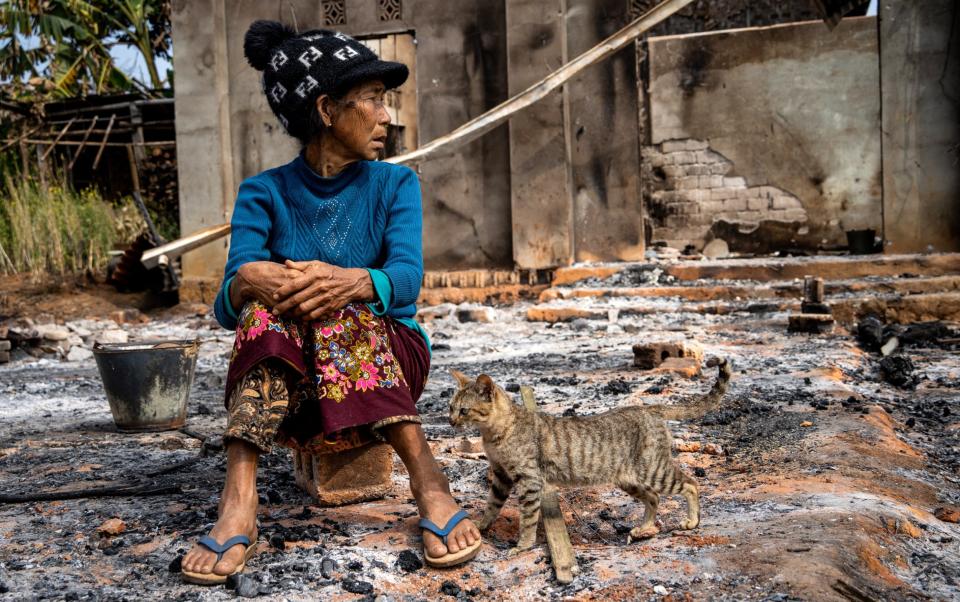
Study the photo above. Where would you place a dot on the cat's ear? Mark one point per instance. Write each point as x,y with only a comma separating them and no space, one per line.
486,385
462,378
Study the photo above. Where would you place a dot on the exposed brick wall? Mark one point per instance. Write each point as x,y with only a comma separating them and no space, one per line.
690,189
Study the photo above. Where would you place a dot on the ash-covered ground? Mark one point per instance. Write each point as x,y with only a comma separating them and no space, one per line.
824,487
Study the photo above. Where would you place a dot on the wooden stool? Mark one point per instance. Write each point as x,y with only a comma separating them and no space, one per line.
348,477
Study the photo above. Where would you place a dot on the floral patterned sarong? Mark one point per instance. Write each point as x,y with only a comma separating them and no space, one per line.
349,374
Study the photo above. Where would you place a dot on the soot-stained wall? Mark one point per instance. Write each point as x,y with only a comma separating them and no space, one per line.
793,110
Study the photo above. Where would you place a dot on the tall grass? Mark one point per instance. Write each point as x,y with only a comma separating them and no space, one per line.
53,230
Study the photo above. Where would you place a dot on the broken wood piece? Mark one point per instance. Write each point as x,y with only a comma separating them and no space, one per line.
812,302
76,494
558,540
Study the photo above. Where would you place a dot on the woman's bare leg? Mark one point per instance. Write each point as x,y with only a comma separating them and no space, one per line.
430,488
238,512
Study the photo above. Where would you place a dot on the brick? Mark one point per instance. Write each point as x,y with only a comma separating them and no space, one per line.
665,196
347,477
735,204
688,183
750,216
720,168
757,204
795,215
695,145
711,181
4,357
656,160
5,345
786,202
653,354
697,169
718,194
708,156
769,192
672,171
685,157
694,196
684,208
735,182
711,206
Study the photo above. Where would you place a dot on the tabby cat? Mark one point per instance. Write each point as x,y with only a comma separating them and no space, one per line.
627,447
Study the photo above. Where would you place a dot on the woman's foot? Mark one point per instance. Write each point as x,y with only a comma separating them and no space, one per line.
439,507
238,516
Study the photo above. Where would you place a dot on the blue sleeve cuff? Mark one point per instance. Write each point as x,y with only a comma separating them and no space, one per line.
227,305
383,289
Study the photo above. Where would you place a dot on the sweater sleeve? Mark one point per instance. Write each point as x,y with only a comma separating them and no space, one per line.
402,240
250,231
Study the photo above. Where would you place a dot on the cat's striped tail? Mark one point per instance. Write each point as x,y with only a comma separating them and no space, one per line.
709,402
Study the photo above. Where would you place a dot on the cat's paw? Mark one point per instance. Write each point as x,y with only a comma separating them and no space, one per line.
639,533
514,552
690,523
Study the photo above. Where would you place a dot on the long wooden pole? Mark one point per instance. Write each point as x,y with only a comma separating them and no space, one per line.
478,126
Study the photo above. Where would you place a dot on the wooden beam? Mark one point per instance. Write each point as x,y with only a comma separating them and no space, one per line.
82,142
478,126
53,144
558,540
103,143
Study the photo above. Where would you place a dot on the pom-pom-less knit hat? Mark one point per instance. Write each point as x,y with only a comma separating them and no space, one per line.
298,68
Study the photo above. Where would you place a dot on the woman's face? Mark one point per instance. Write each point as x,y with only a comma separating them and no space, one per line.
359,120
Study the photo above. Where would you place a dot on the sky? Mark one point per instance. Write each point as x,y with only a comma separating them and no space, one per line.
129,60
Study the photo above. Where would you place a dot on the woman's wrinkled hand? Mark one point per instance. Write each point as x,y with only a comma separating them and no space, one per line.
318,288
259,280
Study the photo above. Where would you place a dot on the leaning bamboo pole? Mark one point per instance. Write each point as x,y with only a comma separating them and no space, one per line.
479,126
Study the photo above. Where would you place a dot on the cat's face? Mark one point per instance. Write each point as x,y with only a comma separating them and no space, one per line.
473,402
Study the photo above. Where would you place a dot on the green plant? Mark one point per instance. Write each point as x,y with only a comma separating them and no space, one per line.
53,230
61,48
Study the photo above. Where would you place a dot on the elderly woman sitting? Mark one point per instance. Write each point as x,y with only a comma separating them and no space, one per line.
324,269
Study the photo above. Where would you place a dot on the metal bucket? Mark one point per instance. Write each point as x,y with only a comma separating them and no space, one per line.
148,383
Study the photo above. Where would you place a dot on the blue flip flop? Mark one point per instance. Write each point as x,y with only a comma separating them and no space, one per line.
220,549
449,560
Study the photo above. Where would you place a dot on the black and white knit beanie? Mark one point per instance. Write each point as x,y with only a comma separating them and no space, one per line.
298,68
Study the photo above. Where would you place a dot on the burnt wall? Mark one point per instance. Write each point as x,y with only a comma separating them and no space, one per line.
795,108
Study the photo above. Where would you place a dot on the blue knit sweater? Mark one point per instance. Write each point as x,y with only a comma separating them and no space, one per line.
367,216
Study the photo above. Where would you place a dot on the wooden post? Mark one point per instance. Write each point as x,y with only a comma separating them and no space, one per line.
558,540
812,289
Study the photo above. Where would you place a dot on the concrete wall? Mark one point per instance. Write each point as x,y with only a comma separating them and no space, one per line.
920,73
792,108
